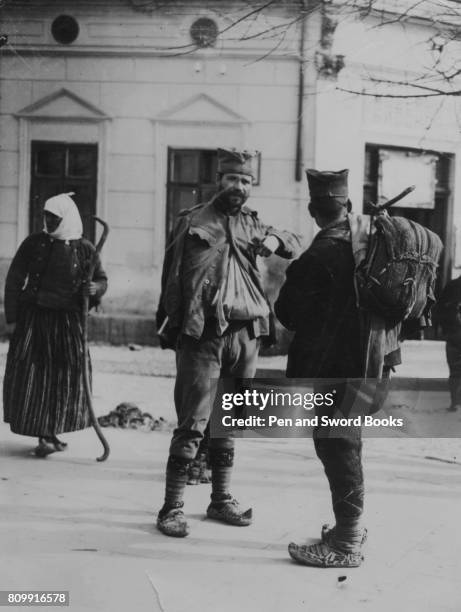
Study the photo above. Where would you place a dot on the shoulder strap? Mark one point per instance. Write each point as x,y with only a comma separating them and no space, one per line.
361,230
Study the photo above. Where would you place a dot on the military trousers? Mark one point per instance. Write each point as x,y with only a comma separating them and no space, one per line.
199,364
342,461
340,451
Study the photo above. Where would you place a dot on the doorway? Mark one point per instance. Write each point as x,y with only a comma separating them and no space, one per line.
435,214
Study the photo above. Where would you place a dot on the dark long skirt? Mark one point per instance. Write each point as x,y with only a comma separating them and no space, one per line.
43,389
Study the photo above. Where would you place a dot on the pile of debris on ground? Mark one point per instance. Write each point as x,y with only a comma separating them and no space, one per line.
128,416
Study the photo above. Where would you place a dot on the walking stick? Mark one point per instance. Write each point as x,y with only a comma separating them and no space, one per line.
86,372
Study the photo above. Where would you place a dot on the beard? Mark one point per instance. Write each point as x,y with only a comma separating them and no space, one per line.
233,198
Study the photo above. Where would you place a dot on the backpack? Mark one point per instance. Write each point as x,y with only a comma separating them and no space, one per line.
396,278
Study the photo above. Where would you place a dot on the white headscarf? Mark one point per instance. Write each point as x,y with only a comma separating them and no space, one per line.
63,206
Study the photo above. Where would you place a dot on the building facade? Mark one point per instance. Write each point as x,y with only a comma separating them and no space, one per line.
125,102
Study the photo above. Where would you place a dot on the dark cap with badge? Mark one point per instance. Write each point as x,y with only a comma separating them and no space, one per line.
327,184
240,162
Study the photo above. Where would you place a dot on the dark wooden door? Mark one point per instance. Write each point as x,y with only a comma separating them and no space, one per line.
59,167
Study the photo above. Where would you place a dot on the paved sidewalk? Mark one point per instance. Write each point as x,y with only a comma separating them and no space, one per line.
424,359
70,523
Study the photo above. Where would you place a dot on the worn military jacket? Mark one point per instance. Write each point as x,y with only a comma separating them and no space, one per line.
50,273
317,302
196,261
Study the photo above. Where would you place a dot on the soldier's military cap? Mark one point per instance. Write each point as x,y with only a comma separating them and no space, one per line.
332,184
241,162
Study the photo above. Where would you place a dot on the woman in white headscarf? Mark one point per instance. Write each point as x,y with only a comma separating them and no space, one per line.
43,389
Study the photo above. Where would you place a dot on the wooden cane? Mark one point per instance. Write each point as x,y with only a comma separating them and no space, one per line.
86,368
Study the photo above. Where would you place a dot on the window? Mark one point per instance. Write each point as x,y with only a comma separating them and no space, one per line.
65,29
191,180
59,167
204,32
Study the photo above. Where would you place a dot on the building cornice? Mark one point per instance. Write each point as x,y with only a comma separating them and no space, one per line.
139,52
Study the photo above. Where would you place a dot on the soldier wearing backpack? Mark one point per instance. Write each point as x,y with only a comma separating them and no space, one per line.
335,339
448,316
318,303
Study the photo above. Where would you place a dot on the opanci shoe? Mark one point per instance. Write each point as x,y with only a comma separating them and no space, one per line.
228,511
43,449
323,555
172,522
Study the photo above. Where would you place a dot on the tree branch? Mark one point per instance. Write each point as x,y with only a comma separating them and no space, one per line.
436,93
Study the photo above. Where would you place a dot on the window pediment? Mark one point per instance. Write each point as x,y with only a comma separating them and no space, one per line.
202,108
62,104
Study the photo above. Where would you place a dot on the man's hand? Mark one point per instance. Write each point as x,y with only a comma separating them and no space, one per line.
268,246
89,289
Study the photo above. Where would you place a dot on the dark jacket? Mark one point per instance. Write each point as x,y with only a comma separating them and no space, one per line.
50,273
205,235
317,302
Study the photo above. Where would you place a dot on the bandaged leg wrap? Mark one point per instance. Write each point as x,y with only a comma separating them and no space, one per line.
348,538
221,461
341,458
176,478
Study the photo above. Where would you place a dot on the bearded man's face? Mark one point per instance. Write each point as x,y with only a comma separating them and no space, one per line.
234,188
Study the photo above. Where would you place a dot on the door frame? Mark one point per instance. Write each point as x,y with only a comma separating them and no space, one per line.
447,260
